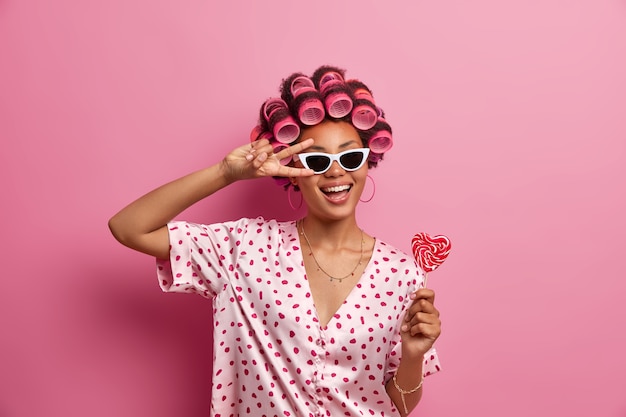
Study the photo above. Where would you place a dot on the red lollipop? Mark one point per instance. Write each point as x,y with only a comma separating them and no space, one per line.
430,252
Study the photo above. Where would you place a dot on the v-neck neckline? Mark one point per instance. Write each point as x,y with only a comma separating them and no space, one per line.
350,294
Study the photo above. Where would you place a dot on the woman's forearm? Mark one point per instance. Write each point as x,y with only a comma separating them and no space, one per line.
142,224
408,376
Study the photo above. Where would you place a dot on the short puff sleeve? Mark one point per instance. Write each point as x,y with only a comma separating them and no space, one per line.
202,257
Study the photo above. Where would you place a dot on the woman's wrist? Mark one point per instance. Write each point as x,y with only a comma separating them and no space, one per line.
405,385
225,173
413,354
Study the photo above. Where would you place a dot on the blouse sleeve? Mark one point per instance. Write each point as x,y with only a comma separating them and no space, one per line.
431,361
202,257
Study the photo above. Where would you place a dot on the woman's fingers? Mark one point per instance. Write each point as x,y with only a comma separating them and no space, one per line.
422,306
294,149
423,300
424,293
422,317
429,330
423,320
287,171
259,160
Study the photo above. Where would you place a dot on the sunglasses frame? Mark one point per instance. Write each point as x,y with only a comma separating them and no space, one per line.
334,157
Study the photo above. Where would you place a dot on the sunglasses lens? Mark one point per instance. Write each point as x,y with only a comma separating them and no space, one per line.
352,160
318,163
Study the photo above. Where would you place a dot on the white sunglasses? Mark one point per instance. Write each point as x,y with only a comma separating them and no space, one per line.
320,162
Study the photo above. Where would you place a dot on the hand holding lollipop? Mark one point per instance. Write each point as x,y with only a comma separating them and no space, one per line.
430,252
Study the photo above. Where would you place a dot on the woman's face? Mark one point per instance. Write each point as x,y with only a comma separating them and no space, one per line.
334,194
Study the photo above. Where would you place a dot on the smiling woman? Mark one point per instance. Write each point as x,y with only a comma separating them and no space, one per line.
312,316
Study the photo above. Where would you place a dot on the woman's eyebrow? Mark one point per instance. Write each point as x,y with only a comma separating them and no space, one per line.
342,146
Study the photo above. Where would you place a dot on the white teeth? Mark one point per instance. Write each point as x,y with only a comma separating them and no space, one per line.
336,189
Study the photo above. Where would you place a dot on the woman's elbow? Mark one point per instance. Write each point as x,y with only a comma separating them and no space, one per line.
118,231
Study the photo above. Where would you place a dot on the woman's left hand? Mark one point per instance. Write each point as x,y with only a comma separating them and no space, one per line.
421,325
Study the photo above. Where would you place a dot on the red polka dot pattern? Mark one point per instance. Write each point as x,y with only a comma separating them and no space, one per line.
271,356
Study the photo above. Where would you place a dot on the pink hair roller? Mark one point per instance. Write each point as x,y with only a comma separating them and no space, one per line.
380,142
286,130
311,111
364,114
284,127
364,117
364,94
278,146
337,102
256,132
329,79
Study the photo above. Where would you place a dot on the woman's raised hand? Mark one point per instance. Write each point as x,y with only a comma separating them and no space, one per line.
421,325
258,159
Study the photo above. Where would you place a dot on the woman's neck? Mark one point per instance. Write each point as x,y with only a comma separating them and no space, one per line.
331,233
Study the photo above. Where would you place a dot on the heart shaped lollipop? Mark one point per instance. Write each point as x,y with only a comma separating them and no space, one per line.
430,252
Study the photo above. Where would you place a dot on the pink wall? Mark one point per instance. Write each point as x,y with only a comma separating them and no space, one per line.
510,127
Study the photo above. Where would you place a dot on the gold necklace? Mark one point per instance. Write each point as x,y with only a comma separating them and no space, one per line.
319,267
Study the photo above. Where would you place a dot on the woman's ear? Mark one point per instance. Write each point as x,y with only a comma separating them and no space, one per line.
294,182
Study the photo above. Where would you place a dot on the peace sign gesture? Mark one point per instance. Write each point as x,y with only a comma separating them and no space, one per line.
258,159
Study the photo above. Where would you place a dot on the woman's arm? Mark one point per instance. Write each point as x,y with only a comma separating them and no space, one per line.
142,225
420,329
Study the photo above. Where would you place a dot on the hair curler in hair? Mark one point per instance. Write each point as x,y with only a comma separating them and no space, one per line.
259,132
364,114
256,132
278,146
307,101
380,140
336,99
277,114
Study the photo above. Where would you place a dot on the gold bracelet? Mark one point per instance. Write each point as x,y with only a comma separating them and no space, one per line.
403,392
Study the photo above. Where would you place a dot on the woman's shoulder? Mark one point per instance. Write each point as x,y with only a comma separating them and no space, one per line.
259,222
248,229
389,249
390,253
261,228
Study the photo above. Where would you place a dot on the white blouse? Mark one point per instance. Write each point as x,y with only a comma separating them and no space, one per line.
271,356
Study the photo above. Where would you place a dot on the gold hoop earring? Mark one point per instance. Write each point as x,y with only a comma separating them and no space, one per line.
373,191
289,191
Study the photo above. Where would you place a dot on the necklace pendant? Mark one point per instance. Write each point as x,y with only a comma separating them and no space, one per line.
319,268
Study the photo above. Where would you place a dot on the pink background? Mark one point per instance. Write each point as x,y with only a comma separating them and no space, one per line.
509,120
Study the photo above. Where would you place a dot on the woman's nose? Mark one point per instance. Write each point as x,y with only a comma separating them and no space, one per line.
335,170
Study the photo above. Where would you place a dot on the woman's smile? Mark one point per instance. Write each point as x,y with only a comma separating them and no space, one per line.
337,193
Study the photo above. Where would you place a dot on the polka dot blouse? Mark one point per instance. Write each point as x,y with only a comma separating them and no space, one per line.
271,356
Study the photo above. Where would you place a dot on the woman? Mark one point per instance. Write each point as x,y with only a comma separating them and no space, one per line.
313,316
